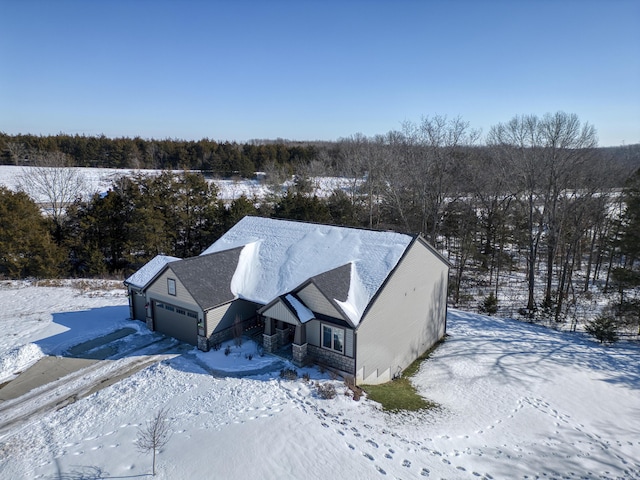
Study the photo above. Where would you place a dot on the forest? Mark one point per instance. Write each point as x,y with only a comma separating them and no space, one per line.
536,220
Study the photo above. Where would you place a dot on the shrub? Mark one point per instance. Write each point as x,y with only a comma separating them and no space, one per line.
326,391
227,350
289,374
353,390
306,377
604,328
248,356
489,304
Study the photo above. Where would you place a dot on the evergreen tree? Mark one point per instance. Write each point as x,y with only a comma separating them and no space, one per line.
26,245
627,277
296,206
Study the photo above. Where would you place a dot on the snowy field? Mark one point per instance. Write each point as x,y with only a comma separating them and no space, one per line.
516,401
99,180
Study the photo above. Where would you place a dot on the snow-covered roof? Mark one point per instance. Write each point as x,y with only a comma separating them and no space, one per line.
279,255
149,270
303,313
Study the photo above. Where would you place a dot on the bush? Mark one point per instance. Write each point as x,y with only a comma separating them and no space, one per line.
604,328
227,350
353,390
489,304
289,374
326,391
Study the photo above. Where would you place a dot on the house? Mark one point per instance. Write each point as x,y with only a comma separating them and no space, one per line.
363,302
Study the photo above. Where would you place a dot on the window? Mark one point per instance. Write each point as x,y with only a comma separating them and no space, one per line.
180,311
333,338
171,286
192,314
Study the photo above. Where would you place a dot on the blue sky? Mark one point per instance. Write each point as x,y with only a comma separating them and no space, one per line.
314,70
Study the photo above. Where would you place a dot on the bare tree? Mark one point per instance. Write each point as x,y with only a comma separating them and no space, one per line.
155,434
421,177
52,181
548,156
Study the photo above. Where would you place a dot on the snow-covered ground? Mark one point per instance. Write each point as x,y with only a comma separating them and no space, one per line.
99,180
516,401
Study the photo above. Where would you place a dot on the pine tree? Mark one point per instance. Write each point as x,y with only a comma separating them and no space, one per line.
27,247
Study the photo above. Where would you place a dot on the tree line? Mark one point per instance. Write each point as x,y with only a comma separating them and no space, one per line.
219,159
535,200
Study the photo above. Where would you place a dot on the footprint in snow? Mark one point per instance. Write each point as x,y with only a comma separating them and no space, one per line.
369,456
372,443
351,446
424,472
406,463
386,455
380,470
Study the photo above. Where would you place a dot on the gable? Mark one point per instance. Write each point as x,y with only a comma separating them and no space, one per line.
158,289
208,278
317,301
280,311
142,277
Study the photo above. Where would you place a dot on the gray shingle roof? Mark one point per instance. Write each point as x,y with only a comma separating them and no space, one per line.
335,283
208,277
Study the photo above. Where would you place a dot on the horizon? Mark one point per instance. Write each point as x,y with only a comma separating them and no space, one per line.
314,72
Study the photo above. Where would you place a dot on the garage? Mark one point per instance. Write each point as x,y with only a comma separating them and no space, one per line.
176,322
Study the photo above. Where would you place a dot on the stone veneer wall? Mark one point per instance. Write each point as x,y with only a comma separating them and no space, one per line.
203,343
332,359
299,353
270,342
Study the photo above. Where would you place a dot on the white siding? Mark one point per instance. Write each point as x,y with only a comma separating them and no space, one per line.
224,316
280,312
348,342
313,332
158,291
214,317
405,319
317,302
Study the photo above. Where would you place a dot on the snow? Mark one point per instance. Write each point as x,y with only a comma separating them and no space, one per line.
279,255
100,180
149,270
243,281
357,298
303,313
516,401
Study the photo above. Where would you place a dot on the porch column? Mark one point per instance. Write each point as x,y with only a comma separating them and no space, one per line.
269,337
281,332
299,347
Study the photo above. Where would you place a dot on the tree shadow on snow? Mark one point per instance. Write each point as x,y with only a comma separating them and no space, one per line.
519,351
89,473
